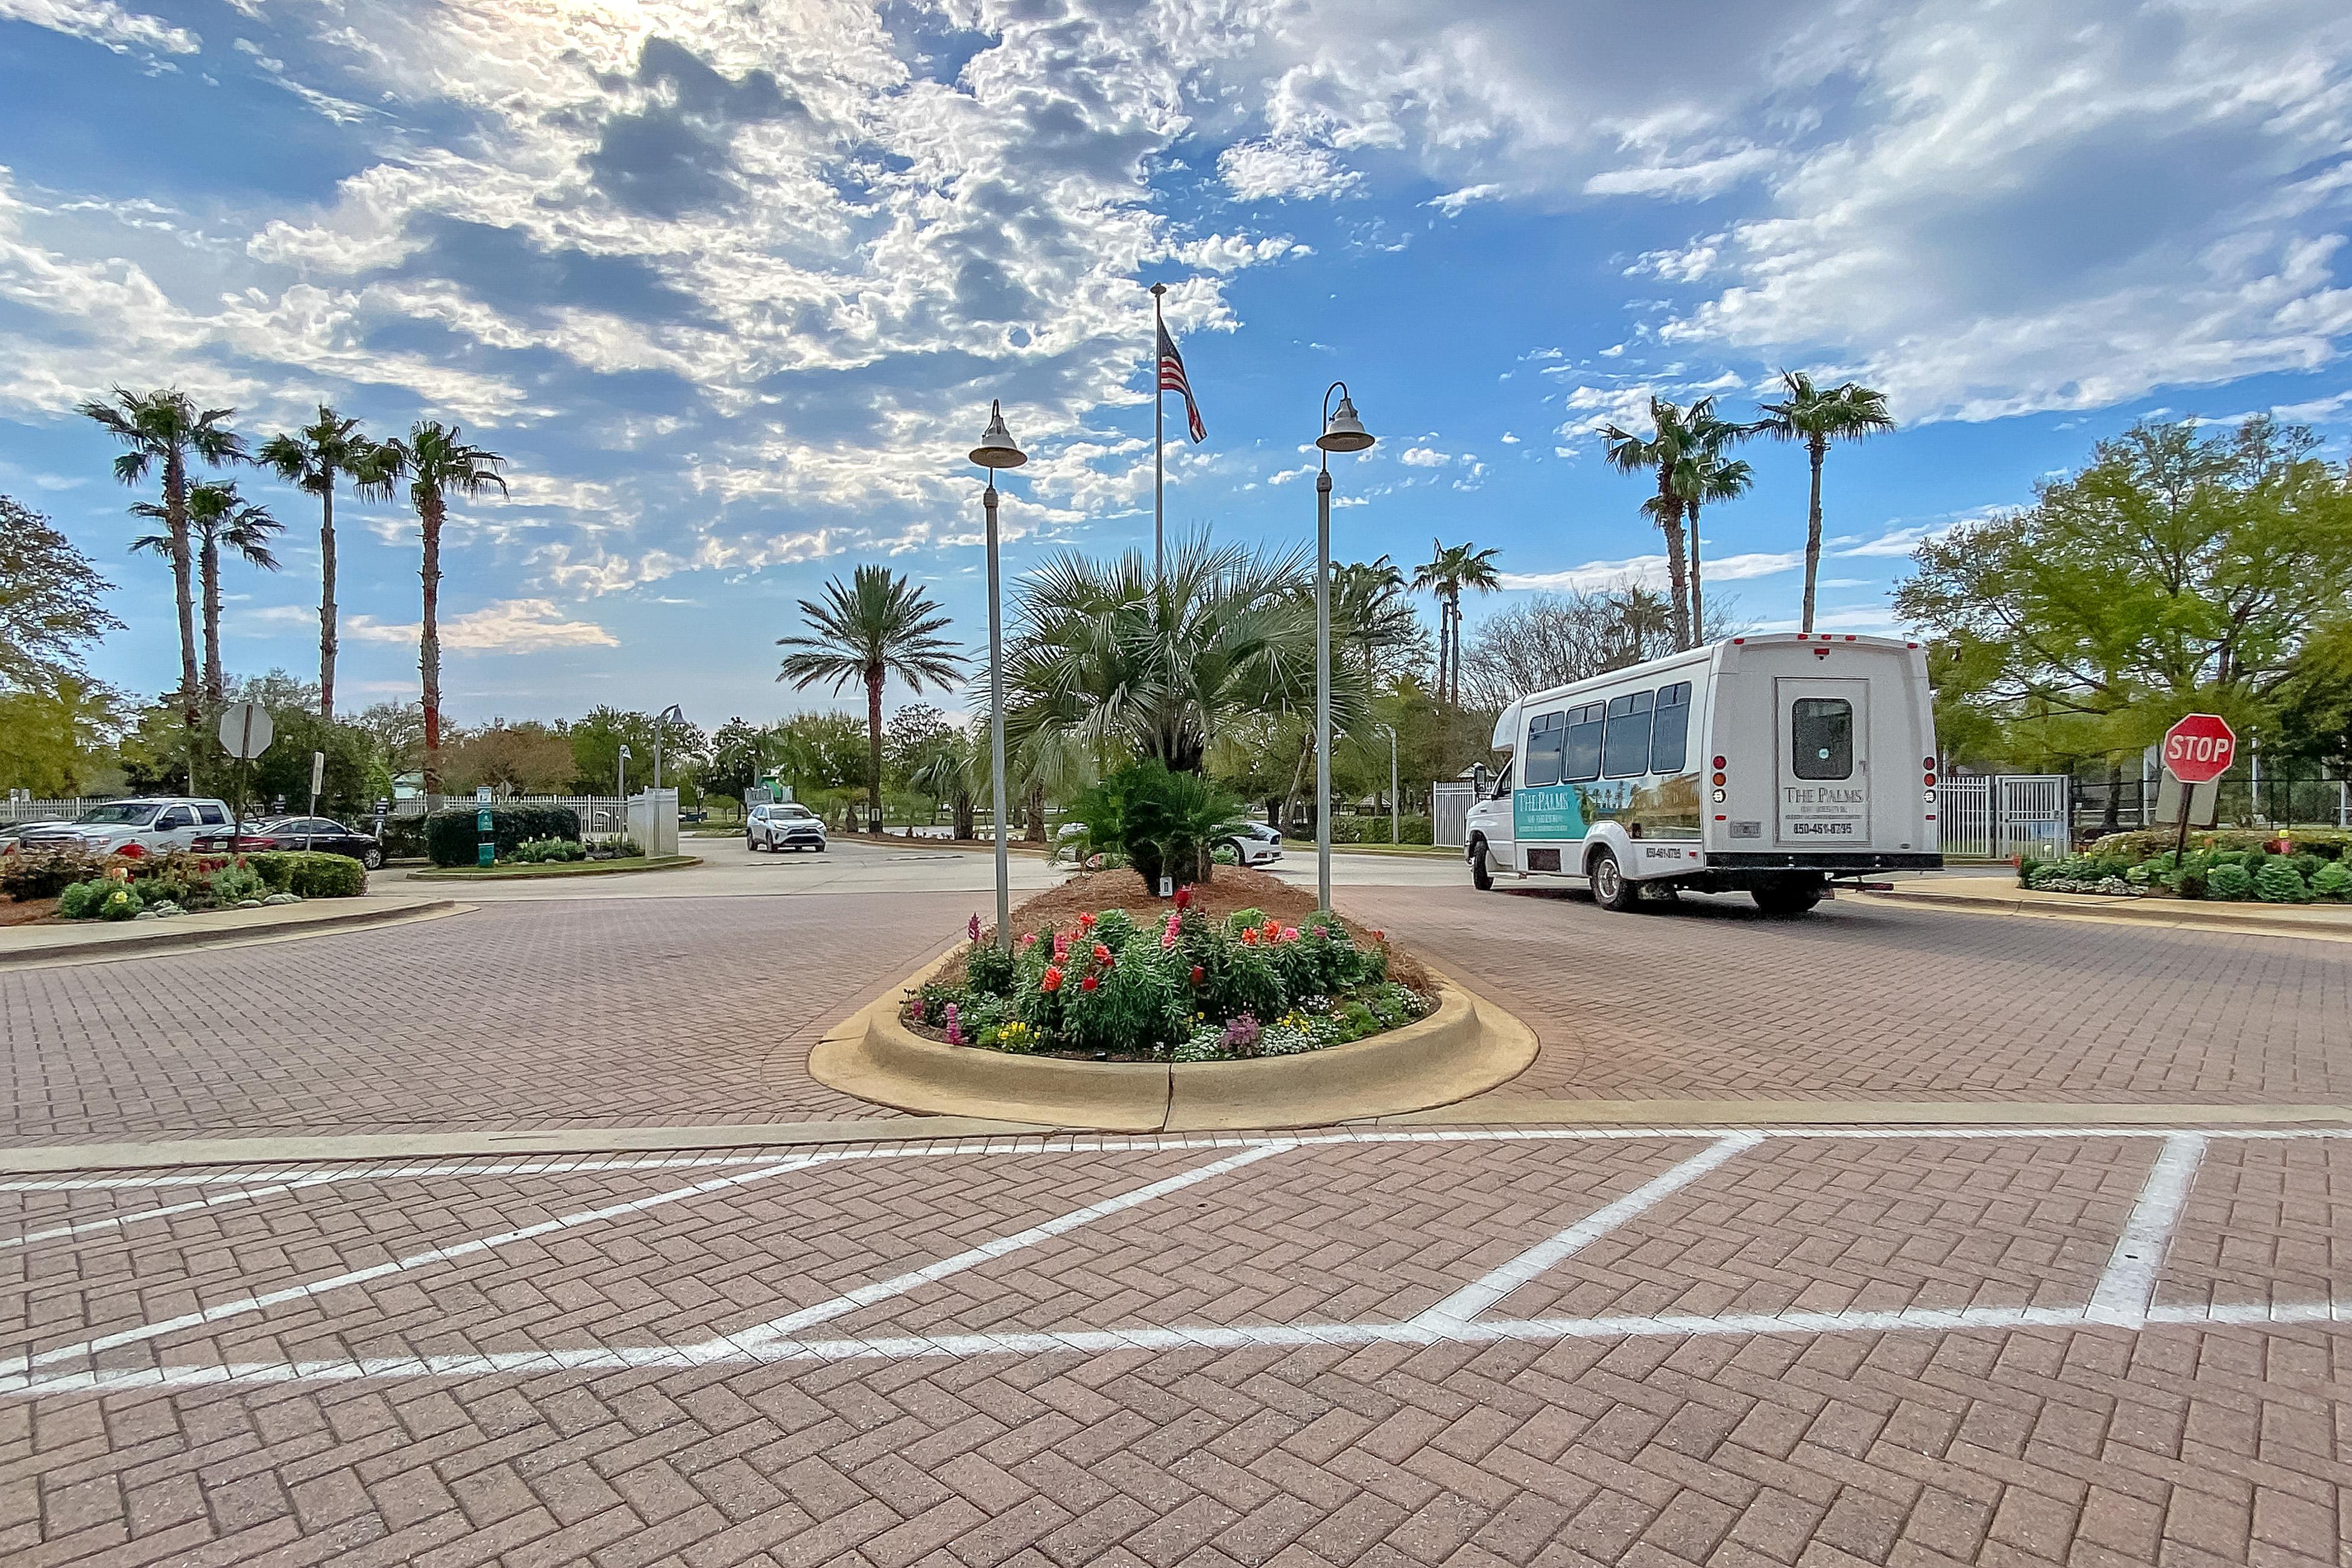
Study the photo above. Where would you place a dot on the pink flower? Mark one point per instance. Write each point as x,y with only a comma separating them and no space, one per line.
1290,933
972,929
1061,945
1052,980
1168,936
1029,940
1102,955
915,1010
955,1028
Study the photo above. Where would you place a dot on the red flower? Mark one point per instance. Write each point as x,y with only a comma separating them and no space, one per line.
1183,897
1102,955
1052,980
1089,984
1249,936
1196,974
1085,922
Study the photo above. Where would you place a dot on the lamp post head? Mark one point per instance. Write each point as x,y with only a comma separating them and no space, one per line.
996,449
626,754
1343,432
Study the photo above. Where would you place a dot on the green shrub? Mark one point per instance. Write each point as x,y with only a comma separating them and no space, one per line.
2278,882
234,884
618,846
1162,822
311,873
403,838
988,969
544,851
30,873
2149,842
1240,920
119,904
452,833
79,900
1375,829
2332,880
2230,881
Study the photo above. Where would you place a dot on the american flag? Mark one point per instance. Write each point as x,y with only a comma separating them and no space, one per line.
1171,379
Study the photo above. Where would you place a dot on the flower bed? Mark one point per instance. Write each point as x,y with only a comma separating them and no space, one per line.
159,886
2229,867
1185,985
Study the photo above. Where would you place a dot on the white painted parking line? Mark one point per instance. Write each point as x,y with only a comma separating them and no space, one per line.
116,1221
1473,1299
2125,1288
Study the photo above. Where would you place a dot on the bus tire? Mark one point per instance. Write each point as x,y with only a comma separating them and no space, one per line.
1794,897
1481,876
1611,890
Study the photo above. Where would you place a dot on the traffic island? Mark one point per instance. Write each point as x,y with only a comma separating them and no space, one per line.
1239,1006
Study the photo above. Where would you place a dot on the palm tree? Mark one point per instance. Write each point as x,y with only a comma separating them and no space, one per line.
310,458
435,460
1672,434
165,428
1371,616
881,626
217,516
1703,477
1449,570
1817,417
1120,659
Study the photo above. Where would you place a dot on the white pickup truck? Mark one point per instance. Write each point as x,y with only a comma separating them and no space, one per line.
152,826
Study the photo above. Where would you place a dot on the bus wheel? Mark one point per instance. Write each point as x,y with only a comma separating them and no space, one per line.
1481,878
1611,891
1794,897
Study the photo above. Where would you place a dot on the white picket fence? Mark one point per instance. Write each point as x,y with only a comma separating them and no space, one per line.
599,814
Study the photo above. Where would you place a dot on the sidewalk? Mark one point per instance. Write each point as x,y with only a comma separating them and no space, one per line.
96,939
2001,896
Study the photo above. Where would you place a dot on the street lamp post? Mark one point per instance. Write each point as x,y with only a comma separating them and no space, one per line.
661,723
1342,432
996,450
621,774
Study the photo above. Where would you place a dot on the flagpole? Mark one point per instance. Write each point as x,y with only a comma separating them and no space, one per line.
1159,461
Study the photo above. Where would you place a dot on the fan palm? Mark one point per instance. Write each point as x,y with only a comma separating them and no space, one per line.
1122,661
165,429
1449,570
436,461
1817,416
311,458
1674,433
879,625
217,516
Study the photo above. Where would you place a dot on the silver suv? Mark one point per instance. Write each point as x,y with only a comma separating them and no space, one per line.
152,826
784,825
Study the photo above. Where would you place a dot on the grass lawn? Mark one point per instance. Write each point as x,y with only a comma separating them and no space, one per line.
557,868
1308,842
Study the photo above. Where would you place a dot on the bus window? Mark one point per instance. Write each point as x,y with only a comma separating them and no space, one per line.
1583,761
1820,737
1625,747
1670,731
1547,732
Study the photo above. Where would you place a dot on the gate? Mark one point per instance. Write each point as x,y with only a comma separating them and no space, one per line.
1449,812
2029,815
1963,814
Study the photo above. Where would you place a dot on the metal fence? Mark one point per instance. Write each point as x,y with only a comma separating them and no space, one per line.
2101,806
1449,812
2002,817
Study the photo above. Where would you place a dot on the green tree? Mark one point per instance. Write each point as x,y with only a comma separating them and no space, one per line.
1817,416
1449,570
954,767
437,462
597,739
881,624
354,775
312,458
737,758
1674,432
218,517
55,735
524,758
165,429
48,602
1707,474
2178,571
1373,621
396,730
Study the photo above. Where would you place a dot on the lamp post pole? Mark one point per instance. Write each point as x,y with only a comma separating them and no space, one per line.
996,450
1342,432
661,723
1392,784
621,774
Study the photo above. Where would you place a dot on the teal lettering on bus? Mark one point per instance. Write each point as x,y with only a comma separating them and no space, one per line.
1547,811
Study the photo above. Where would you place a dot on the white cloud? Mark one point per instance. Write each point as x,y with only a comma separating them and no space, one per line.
103,22
508,626
1650,570
1424,458
1281,169
1451,202
1687,181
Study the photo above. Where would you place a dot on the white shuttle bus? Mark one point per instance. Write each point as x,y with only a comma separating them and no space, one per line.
1764,764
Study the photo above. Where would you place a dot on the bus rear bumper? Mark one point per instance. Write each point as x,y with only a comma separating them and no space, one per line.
1833,863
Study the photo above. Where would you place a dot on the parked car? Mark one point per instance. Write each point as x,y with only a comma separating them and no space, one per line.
324,833
783,824
1255,845
152,826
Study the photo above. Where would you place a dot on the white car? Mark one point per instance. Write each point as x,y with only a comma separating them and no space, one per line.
154,825
1255,845
784,825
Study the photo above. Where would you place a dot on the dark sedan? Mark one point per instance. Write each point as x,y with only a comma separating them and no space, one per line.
324,833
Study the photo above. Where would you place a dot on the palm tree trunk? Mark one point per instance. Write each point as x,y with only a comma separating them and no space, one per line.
1818,449
1037,814
428,656
1670,522
1698,597
175,520
873,747
209,564
327,601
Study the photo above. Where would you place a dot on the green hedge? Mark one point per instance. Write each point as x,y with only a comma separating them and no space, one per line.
1375,829
313,874
451,833
2147,843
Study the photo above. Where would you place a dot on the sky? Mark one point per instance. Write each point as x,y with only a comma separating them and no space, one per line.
731,286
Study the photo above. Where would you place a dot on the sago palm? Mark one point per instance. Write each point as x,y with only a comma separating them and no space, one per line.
1449,570
311,458
1817,416
217,516
881,624
437,462
164,429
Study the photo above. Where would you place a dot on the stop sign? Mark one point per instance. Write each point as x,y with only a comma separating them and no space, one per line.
2199,749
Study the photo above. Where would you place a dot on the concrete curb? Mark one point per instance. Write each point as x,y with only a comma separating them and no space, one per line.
1466,1047
2173,913
137,940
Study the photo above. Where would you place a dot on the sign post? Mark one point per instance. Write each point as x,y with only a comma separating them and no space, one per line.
486,850
245,733
2198,750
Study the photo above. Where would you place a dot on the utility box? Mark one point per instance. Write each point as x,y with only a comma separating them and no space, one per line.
653,820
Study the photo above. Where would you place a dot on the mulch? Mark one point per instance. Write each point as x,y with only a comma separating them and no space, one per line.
31,912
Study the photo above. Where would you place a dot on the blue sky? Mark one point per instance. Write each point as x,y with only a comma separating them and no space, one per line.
732,285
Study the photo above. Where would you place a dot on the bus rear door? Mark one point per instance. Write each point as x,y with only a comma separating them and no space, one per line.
1822,735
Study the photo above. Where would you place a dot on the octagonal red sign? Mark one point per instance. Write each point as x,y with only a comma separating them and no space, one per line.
2199,749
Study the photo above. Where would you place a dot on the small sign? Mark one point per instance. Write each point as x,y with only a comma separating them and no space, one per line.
486,853
383,806
1166,886
482,820
245,730
481,794
318,771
